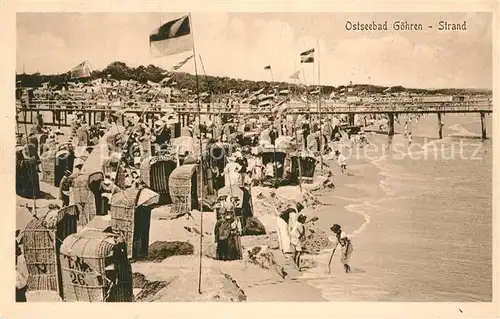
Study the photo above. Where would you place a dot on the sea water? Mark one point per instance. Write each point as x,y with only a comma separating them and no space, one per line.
427,234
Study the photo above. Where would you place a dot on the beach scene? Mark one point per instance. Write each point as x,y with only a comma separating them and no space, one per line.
253,157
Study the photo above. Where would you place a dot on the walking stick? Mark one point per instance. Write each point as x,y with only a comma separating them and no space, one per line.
329,263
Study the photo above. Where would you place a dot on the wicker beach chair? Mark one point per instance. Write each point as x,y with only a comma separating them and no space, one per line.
269,154
85,190
54,164
42,240
183,186
308,167
155,173
95,268
27,180
130,212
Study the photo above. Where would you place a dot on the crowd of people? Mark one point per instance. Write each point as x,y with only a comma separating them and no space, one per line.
246,140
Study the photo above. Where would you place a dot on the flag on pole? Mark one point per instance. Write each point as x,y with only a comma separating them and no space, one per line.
173,37
295,75
264,103
82,70
315,92
180,64
165,81
265,99
267,67
307,56
255,93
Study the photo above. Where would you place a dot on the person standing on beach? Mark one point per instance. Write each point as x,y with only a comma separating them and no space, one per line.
227,236
345,243
342,161
64,188
297,239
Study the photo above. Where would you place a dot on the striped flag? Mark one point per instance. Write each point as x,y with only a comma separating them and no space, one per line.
295,75
255,93
82,70
315,92
180,64
173,37
284,92
265,99
264,103
267,67
307,56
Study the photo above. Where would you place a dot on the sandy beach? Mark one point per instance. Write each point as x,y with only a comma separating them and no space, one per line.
379,205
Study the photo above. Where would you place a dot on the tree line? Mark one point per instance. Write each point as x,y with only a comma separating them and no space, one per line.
214,84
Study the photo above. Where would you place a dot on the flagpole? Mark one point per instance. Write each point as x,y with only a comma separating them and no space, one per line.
201,157
299,153
206,80
319,113
307,98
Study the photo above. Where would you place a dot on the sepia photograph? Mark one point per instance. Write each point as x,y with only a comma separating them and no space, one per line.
253,156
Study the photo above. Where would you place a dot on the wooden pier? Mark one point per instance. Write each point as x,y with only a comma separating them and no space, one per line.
55,112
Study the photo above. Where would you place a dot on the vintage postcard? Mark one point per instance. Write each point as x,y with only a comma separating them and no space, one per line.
179,155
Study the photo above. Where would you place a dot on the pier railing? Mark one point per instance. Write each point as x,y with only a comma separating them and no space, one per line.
55,112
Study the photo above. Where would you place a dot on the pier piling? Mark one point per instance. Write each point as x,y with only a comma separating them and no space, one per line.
390,130
440,126
351,118
483,126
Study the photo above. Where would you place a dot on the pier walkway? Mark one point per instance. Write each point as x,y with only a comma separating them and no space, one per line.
55,112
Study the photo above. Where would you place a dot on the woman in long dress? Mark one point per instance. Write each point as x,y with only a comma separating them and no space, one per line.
227,237
282,218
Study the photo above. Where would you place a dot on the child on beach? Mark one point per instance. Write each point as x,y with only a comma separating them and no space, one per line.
342,161
345,243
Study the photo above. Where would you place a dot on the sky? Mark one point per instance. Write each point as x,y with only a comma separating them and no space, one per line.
240,45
